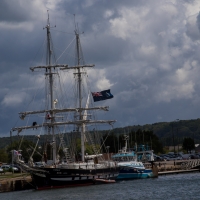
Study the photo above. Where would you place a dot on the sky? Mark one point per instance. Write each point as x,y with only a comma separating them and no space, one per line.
145,51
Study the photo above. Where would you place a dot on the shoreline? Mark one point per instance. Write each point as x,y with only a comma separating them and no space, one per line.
22,181
178,172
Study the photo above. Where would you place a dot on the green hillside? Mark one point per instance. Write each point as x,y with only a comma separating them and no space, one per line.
164,130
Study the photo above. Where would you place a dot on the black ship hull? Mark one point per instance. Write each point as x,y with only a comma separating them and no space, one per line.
47,178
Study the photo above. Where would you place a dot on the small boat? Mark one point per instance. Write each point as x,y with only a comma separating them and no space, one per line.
78,168
98,180
130,167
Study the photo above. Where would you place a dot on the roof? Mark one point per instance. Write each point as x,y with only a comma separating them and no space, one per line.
127,154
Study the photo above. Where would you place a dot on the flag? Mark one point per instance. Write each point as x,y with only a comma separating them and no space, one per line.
103,95
16,153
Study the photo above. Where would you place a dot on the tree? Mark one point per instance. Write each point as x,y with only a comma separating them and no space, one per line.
188,144
26,150
140,137
112,141
3,156
147,138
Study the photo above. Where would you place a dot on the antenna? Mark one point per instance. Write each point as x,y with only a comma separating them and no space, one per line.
75,21
48,21
76,26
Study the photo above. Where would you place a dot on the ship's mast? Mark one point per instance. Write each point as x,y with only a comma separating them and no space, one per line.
50,74
80,96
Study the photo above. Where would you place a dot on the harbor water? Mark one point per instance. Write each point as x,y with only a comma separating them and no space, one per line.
169,187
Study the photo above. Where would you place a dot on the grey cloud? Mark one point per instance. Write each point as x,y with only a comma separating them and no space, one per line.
198,21
13,11
152,71
193,27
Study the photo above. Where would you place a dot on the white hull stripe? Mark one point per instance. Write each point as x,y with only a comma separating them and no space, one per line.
40,175
70,179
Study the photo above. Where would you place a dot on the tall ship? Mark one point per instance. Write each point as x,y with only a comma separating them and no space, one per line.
79,123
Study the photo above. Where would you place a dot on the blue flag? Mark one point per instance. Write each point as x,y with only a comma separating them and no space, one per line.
103,95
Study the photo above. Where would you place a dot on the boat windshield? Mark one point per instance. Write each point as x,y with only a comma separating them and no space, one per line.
121,158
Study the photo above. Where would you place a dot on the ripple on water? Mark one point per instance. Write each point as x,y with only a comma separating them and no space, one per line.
169,187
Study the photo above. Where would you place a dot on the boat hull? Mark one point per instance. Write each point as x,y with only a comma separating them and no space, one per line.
134,173
59,177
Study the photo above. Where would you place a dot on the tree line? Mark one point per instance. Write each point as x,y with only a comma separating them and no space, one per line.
115,142
112,142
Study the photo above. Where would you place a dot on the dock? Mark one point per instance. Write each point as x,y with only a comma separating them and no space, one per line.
15,182
177,172
176,167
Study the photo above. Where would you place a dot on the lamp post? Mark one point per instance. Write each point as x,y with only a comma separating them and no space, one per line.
12,151
173,132
177,120
11,138
173,136
178,140
108,152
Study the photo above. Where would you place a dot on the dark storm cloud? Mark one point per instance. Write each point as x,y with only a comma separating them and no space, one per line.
146,52
198,21
14,11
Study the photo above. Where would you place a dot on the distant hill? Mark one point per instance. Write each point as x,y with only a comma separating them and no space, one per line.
164,130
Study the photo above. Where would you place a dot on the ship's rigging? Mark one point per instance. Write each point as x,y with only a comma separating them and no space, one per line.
52,115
